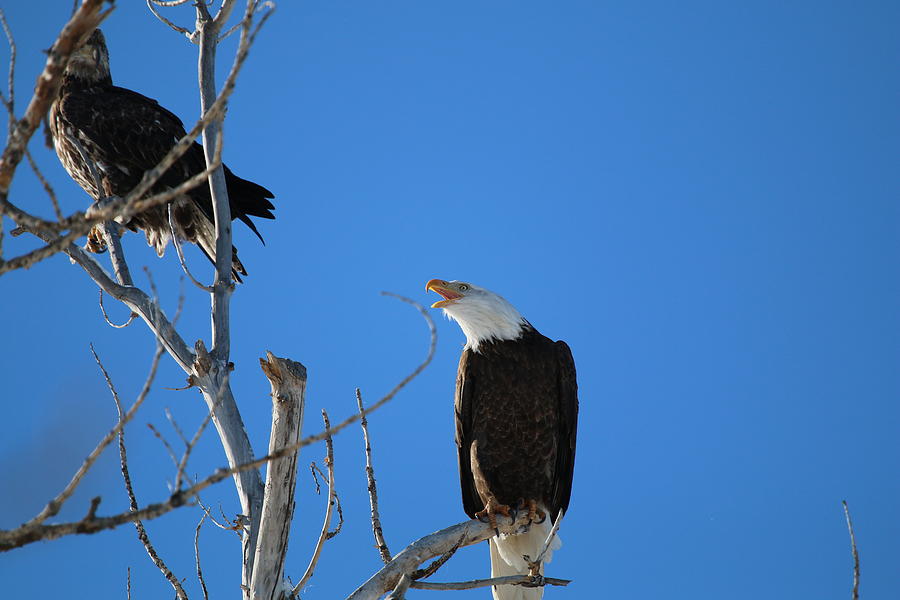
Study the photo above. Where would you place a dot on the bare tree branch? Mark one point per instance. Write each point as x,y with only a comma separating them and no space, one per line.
197,555
137,300
287,379
34,530
854,594
165,444
181,30
436,544
123,462
107,319
323,535
180,254
10,102
535,565
377,531
189,444
168,2
523,580
399,592
437,564
46,184
53,507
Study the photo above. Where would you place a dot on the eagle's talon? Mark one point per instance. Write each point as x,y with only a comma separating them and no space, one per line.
490,512
534,512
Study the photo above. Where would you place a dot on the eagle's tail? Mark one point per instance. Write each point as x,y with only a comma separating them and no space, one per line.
507,553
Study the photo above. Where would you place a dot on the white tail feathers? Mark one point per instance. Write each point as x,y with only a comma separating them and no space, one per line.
507,559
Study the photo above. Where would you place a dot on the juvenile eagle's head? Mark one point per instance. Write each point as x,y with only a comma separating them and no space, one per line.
481,314
90,62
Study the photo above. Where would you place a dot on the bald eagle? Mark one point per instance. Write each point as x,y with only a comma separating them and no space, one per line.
125,134
516,411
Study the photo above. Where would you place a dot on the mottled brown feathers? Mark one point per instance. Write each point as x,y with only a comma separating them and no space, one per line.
125,134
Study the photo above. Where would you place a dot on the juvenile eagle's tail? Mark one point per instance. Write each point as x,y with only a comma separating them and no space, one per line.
506,558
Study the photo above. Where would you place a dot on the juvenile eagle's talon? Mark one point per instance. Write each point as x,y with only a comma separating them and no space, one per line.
96,244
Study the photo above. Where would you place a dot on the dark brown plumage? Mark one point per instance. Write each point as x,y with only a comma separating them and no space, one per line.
125,134
516,407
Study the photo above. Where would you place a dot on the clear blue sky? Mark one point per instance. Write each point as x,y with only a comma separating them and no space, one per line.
701,198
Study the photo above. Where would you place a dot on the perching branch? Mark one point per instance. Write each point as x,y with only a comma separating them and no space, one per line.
523,580
436,544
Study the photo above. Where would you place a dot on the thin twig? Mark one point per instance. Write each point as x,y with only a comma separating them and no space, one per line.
854,595
46,184
53,507
197,554
314,468
133,503
189,444
108,321
175,427
549,540
165,443
377,531
523,580
323,535
208,511
437,564
180,254
11,101
156,13
128,584
169,2
312,439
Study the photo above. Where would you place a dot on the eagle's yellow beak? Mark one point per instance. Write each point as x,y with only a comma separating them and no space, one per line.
440,286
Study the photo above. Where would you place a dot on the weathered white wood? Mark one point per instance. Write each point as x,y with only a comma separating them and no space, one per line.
288,381
430,546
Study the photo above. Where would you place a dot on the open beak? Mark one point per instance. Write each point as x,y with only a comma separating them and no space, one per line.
440,286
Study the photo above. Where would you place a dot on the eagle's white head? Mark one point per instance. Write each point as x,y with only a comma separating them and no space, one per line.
481,314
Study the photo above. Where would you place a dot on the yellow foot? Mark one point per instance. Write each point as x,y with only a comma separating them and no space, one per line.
491,510
535,515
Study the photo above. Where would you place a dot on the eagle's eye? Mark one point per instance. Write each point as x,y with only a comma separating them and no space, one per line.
463,287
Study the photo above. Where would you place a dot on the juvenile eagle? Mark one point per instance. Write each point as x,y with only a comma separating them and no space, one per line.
125,134
516,412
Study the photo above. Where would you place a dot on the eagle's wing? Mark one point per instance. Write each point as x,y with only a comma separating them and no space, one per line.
463,409
129,133
568,421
